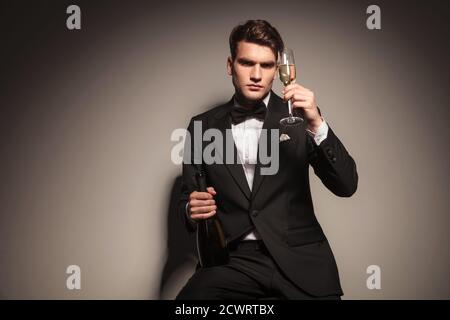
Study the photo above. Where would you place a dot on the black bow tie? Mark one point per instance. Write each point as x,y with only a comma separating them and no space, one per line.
239,114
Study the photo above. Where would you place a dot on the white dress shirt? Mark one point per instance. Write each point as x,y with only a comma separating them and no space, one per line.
246,136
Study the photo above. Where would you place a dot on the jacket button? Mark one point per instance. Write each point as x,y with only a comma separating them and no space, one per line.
255,213
333,159
329,152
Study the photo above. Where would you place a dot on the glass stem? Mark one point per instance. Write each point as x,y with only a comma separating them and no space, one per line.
290,107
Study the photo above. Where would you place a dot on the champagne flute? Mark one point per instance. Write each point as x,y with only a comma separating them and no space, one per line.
286,69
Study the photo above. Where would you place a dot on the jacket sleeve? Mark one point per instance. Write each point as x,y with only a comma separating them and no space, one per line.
333,164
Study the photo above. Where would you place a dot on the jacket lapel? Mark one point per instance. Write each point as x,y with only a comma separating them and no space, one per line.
222,121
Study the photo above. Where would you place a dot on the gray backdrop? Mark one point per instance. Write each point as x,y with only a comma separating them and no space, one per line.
86,119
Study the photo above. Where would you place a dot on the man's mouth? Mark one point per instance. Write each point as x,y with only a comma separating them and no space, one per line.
254,87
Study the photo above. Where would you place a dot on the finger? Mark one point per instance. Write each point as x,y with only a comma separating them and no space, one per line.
211,190
291,86
203,209
290,93
301,104
287,89
287,95
200,195
201,203
203,216
306,93
297,85
300,97
295,95
298,89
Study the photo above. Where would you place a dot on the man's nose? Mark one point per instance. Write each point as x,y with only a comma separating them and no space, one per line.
255,75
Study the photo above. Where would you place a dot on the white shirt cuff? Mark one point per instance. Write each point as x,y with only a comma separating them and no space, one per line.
321,133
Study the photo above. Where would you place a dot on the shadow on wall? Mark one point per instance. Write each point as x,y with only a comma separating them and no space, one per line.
180,244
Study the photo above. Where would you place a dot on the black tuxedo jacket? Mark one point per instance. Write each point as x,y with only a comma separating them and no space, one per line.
280,205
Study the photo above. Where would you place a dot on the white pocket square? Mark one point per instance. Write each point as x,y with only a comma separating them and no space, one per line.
284,137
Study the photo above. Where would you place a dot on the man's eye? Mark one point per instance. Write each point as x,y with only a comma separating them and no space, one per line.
267,66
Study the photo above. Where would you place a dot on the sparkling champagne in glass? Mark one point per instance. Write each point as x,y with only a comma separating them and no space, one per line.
286,69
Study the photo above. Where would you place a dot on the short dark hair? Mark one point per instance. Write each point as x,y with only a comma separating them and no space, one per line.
256,31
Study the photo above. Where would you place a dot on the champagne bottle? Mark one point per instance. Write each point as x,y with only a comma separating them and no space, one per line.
211,244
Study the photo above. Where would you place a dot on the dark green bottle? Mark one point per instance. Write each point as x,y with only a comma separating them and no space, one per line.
211,243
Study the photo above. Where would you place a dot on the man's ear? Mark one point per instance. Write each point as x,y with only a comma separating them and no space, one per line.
229,66
275,76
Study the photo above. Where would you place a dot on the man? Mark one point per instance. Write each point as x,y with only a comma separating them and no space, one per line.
277,247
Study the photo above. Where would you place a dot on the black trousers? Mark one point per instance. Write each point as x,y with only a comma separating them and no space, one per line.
250,274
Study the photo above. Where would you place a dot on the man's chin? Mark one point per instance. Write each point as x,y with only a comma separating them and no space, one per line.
254,95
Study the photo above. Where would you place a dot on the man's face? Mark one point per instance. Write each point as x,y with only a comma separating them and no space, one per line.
253,71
